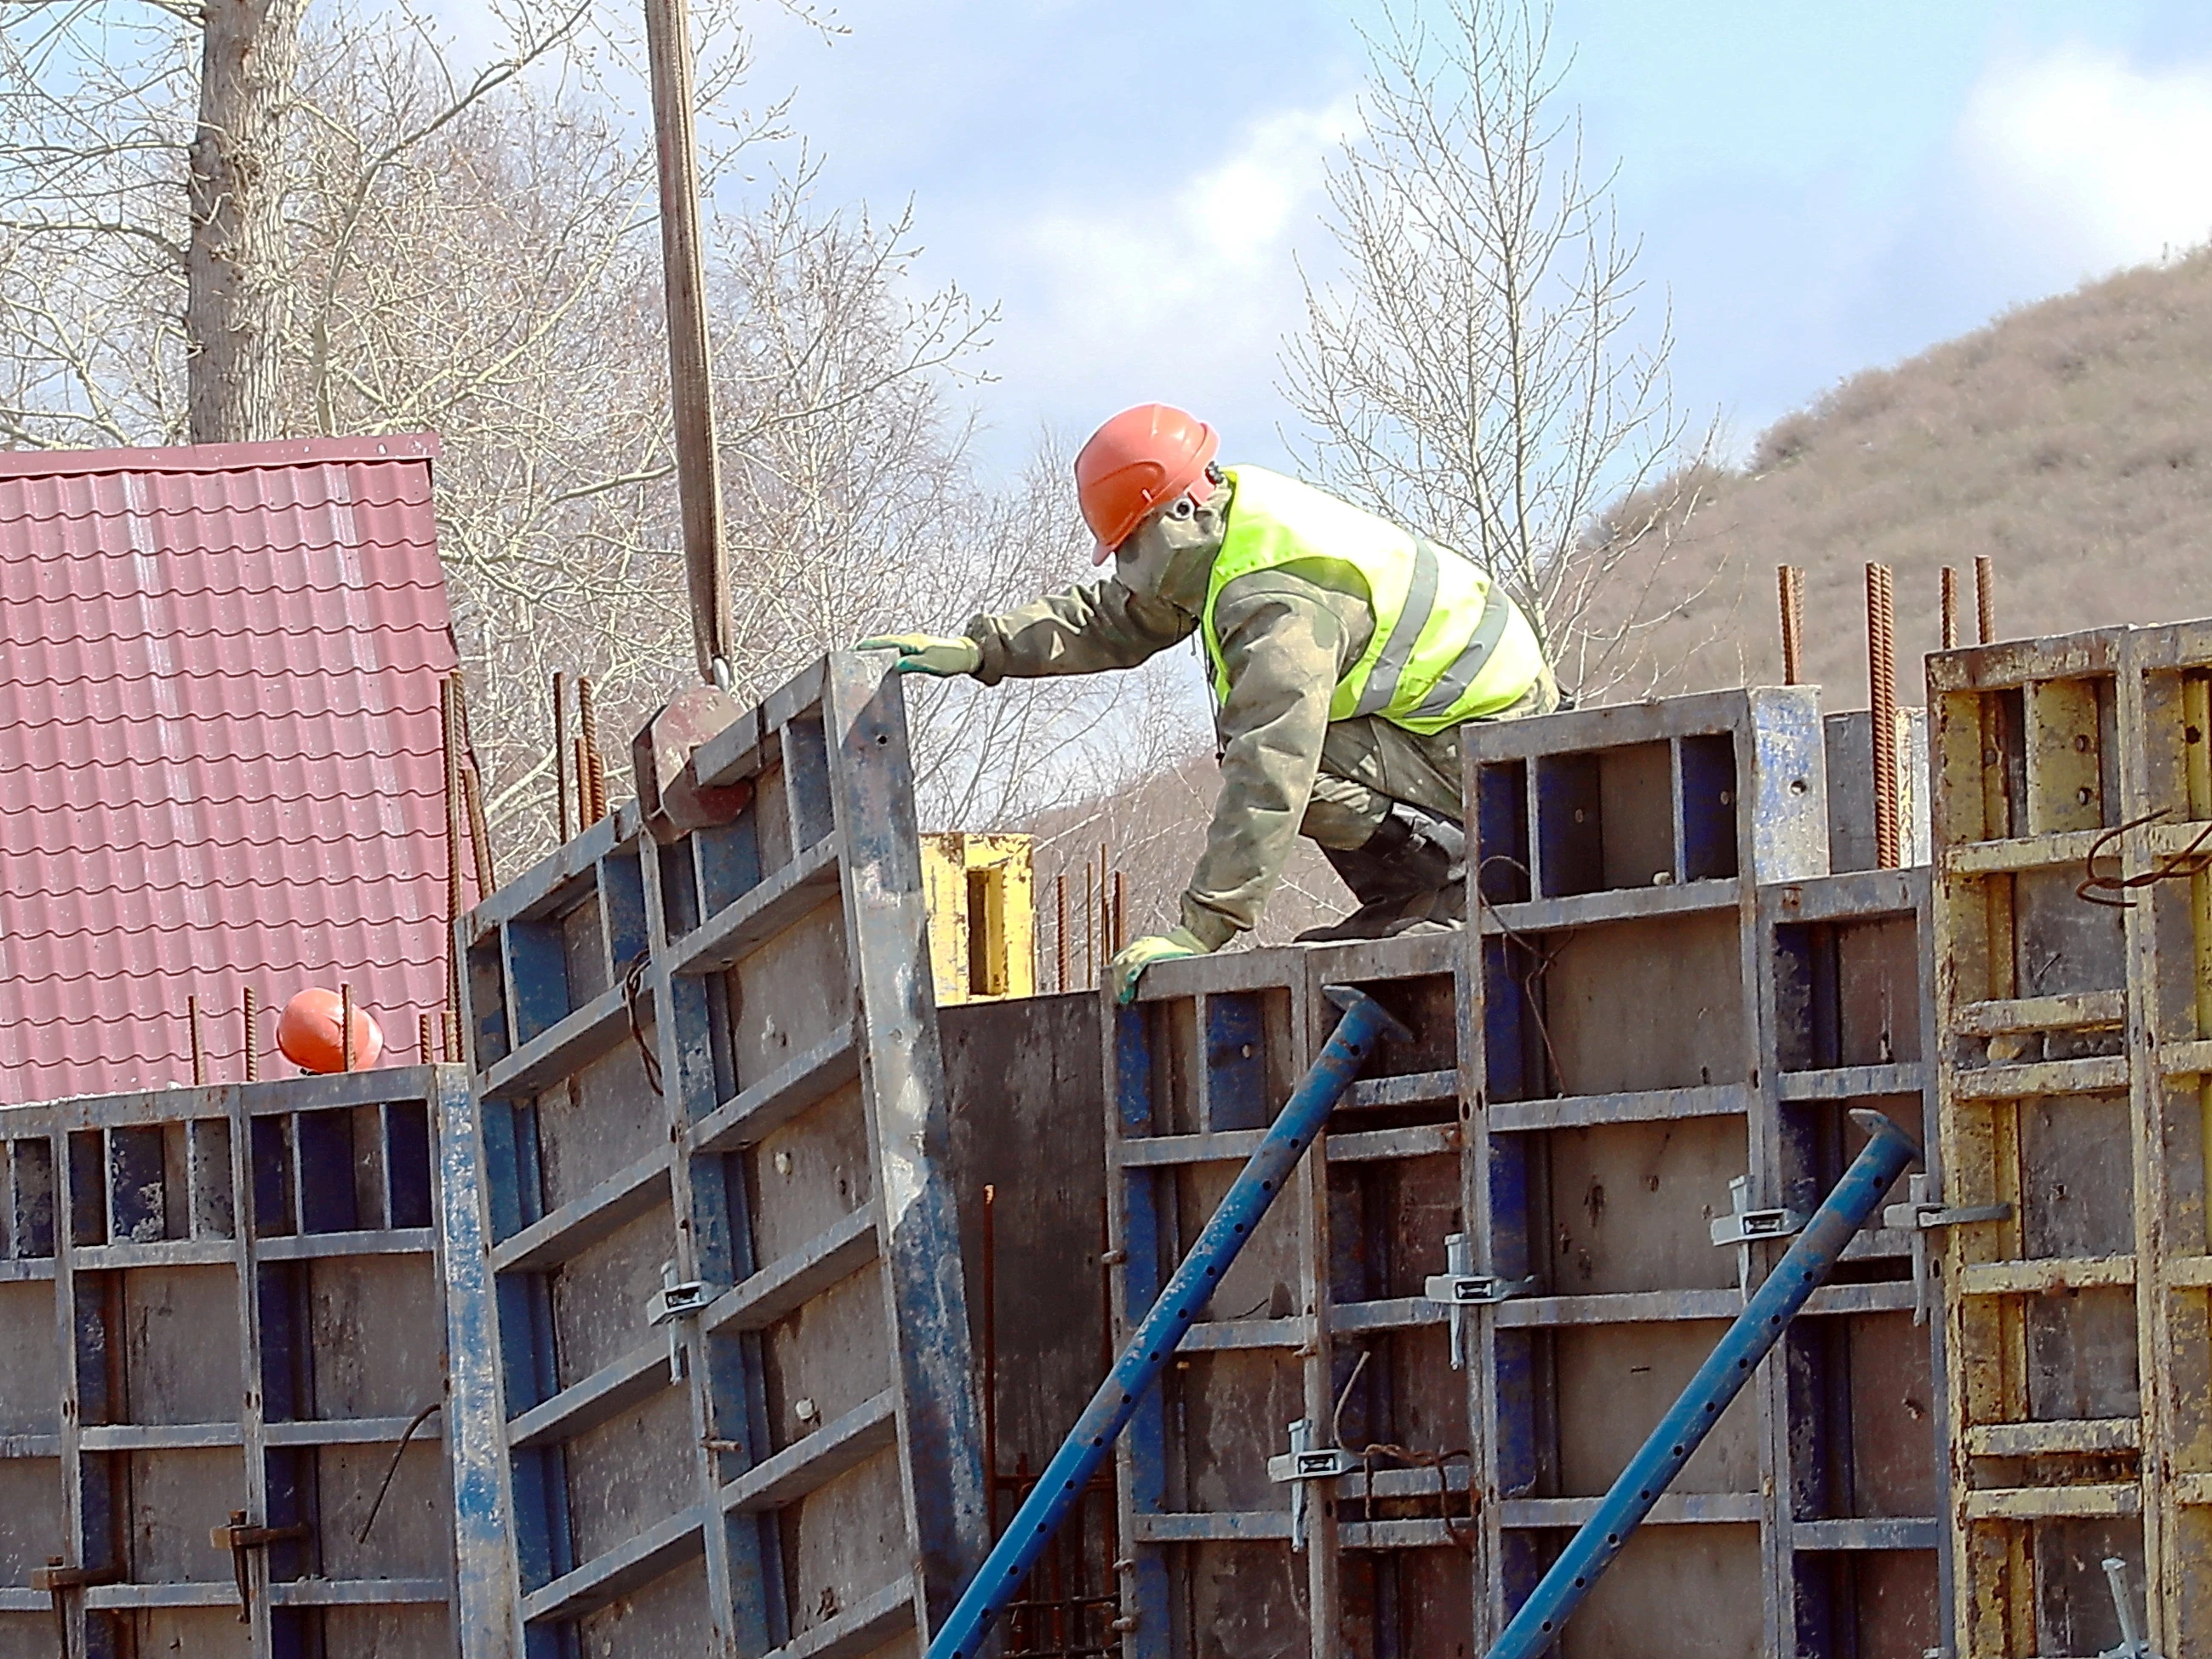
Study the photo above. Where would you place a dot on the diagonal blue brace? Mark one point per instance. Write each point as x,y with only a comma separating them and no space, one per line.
1779,1299
1366,1022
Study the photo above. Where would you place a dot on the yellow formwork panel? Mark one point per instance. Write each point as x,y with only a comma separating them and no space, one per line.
2072,933
982,915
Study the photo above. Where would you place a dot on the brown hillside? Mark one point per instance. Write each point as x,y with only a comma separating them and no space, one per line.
2070,440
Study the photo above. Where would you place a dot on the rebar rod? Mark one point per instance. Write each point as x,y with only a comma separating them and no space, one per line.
561,752
1790,584
1985,598
1882,678
252,1059
1950,608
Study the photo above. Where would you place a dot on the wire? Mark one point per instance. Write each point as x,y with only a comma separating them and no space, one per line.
392,1468
2171,867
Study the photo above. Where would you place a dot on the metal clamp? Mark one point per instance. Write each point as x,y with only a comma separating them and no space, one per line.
1743,1226
57,1579
1920,1214
2133,1643
1459,1287
1303,1464
238,1537
674,1301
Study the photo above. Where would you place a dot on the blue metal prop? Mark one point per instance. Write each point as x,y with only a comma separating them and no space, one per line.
1779,1299
1364,1024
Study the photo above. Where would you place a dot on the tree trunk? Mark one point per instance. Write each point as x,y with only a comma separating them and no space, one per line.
249,52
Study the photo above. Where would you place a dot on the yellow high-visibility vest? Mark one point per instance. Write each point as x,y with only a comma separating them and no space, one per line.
1449,645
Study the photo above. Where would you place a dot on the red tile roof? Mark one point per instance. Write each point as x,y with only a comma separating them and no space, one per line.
218,752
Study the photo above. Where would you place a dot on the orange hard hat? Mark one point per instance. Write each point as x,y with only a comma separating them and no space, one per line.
308,1032
1140,459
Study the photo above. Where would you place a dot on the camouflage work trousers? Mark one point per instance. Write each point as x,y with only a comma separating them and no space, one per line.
1368,763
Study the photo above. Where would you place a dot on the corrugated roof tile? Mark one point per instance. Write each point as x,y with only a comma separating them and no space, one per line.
220,759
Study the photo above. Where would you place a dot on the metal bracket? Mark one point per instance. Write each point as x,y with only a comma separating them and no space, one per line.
674,1301
1920,1214
1743,1226
1459,1287
238,1537
57,1579
1303,1464
2133,1643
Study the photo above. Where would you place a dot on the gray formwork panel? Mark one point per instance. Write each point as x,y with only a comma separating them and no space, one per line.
1027,1097
223,1300
1320,1321
2073,782
1675,992
714,1064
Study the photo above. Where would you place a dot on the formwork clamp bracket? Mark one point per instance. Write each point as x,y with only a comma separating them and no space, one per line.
1924,1211
1744,1226
676,1300
1303,1464
1459,1287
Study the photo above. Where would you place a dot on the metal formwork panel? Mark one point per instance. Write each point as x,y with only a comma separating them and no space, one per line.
737,1412
220,1309
1319,1337
1847,1012
2071,952
1621,1032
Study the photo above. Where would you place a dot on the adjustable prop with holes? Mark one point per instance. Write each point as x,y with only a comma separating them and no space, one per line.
1364,1024
1781,1297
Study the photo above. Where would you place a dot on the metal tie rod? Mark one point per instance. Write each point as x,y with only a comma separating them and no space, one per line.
1366,1022
1780,1297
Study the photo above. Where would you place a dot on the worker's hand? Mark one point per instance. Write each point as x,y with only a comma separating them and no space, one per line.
928,653
1142,953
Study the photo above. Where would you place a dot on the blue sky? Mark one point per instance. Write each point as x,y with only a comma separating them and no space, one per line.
1817,187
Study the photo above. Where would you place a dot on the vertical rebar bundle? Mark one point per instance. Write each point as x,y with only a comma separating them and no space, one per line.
449,728
1791,581
1881,681
1950,608
1985,598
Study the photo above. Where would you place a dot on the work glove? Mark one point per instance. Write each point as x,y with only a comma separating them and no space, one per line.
928,653
1130,963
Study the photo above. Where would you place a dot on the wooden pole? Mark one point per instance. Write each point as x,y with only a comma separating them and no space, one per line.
252,1059
691,370
561,750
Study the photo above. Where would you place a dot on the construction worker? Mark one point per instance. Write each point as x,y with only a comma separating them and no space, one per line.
1345,655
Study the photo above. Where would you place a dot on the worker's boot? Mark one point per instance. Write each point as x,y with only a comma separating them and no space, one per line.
1411,871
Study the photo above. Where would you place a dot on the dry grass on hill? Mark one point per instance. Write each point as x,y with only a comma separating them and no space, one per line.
2070,440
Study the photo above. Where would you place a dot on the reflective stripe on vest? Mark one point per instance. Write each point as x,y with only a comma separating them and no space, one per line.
1449,644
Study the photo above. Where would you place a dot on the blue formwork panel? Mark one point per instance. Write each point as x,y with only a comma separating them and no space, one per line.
222,1304
725,1346
1672,994
1321,1321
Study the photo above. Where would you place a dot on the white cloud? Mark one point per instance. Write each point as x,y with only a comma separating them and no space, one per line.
2089,163
1185,294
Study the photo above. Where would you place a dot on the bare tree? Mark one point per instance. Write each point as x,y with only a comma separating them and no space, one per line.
235,258
1471,371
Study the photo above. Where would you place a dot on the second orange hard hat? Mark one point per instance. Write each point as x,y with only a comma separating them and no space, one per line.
1142,458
